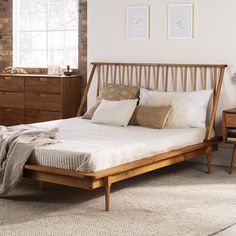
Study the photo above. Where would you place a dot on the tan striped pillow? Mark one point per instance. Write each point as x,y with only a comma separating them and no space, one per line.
152,117
113,92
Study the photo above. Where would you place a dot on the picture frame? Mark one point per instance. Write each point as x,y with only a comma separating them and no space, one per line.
138,22
180,21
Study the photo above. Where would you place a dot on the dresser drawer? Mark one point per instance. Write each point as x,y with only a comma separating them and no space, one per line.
11,100
8,83
47,85
33,116
11,116
230,120
43,101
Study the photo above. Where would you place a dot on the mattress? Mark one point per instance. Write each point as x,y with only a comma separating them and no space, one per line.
90,147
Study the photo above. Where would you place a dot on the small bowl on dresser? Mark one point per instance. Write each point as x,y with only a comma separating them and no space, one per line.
68,73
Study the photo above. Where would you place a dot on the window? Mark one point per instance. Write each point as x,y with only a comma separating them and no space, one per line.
46,33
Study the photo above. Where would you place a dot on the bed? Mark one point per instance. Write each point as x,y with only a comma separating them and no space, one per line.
94,155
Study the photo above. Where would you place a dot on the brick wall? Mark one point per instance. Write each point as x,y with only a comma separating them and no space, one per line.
83,40
6,38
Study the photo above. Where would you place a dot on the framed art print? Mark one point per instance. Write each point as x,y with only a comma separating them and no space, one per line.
137,22
180,21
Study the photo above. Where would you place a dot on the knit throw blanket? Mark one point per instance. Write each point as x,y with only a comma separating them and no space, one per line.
16,145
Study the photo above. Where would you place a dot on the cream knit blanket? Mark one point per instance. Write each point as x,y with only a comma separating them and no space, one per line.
16,145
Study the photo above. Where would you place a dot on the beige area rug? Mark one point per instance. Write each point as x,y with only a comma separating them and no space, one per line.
179,200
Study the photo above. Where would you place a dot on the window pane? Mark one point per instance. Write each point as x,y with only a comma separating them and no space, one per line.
24,21
39,21
24,58
39,58
56,57
71,38
56,5
24,40
24,5
71,5
56,20
39,6
71,58
71,21
71,14
39,40
56,40
56,14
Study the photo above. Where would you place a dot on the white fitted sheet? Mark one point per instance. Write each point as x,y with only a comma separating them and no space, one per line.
93,147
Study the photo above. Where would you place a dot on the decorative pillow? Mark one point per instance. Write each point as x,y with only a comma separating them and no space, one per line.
116,113
113,92
152,117
188,109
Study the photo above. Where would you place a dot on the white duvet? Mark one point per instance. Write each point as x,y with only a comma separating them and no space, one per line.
93,147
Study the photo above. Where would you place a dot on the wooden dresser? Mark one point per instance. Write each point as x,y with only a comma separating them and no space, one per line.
229,132
36,98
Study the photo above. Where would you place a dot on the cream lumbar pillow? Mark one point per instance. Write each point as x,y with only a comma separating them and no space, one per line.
116,113
188,109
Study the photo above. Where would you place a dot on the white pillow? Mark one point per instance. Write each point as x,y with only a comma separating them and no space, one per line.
188,109
116,113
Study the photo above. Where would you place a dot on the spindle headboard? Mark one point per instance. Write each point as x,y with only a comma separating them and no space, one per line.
161,77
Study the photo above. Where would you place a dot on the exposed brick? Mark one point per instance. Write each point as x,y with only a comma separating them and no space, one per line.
83,41
6,37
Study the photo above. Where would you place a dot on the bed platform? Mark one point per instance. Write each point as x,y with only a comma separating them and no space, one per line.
163,77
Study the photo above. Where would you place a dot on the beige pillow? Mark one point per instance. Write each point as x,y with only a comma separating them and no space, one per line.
116,113
152,117
113,92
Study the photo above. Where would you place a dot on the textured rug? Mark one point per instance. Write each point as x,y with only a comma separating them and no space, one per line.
179,200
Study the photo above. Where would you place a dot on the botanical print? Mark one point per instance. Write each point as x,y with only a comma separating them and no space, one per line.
137,22
180,21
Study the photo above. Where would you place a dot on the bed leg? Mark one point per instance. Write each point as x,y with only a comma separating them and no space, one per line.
209,157
107,185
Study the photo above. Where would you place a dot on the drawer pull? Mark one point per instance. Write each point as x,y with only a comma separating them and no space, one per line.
42,95
43,79
8,110
8,78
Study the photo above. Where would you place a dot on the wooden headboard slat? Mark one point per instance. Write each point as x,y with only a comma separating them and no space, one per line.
160,64
160,76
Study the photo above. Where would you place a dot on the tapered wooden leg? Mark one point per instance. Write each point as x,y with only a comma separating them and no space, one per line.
209,157
107,185
232,160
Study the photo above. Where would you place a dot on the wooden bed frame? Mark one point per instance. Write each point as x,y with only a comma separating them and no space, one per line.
165,77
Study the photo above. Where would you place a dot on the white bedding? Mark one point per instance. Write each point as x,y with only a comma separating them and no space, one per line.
93,147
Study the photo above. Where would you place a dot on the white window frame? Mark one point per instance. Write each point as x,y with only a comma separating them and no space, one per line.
16,41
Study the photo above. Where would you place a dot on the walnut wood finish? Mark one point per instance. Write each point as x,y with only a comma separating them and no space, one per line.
43,101
106,178
9,83
11,116
34,116
37,98
11,100
229,122
42,84
164,77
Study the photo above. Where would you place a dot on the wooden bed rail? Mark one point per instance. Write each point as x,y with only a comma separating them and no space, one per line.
161,77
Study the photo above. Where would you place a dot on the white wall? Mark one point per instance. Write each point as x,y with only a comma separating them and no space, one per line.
214,41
